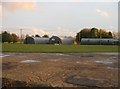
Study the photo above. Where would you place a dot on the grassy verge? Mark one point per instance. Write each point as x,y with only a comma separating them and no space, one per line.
57,48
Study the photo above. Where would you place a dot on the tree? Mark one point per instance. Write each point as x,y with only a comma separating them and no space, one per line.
27,35
104,34
84,33
6,37
94,33
37,35
78,37
0,37
32,36
14,38
10,38
45,36
110,35
116,35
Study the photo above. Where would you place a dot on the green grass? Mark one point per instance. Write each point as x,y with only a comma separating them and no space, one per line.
57,48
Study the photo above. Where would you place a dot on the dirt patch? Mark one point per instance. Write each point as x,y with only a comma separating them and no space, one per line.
9,83
57,70
8,65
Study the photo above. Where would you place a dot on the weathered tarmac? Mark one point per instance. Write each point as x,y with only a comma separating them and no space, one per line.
62,69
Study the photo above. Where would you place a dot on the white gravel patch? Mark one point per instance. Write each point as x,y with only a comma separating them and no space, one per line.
104,62
3,55
29,61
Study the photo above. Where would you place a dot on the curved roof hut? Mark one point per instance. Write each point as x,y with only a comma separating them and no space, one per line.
61,40
98,41
55,40
36,40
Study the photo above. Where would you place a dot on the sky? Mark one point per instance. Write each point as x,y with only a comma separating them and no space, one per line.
61,18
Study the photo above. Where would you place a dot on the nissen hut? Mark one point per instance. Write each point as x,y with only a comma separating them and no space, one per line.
36,40
52,40
61,40
99,41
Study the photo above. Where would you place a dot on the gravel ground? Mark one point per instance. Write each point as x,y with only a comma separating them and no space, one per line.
61,69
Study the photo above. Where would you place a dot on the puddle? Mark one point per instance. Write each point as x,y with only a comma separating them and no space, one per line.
60,54
29,61
115,58
83,81
112,68
104,62
2,55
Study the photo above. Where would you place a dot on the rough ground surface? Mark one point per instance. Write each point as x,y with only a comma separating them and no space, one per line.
61,69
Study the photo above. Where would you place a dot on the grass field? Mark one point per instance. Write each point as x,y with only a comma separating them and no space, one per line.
57,48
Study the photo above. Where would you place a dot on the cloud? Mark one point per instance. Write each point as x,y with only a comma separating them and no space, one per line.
7,8
12,6
63,31
1,10
25,30
39,31
61,0
112,28
102,13
18,0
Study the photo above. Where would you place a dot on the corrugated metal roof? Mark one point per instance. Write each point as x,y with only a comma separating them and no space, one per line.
52,40
99,41
36,40
62,40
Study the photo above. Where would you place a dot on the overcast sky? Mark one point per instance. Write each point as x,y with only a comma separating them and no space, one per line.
58,18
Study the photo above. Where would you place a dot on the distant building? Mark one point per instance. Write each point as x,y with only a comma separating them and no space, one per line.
99,41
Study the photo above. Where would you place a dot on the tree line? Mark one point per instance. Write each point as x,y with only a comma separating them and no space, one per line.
37,35
93,33
7,37
84,33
